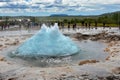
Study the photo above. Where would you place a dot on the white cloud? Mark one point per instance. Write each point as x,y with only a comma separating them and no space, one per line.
54,5
42,1
3,4
104,1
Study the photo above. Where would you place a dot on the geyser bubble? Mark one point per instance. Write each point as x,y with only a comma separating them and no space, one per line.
48,42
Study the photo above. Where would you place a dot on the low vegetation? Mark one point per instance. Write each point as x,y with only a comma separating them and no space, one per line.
107,19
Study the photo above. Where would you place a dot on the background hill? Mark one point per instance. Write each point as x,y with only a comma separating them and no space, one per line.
54,15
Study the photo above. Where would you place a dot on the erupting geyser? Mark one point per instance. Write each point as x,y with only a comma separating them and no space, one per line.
47,42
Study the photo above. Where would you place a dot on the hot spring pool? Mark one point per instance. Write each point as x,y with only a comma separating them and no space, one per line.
89,50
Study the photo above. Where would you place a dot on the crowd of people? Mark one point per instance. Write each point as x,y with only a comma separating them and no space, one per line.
62,25
4,26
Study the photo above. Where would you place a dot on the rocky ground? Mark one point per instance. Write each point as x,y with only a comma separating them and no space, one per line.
84,70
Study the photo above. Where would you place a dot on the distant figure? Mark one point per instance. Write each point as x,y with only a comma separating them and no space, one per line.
69,26
86,25
58,23
27,26
20,26
8,25
119,25
52,23
62,25
109,27
95,24
40,24
103,25
82,23
74,26
2,27
89,24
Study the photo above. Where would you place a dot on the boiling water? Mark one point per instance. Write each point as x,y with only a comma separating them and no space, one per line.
89,50
48,42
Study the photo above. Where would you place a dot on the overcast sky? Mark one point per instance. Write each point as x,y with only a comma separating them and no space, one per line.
47,7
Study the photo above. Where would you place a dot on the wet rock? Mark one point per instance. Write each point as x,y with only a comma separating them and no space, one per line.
84,75
12,43
84,62
113,77
99,36
107,50
6,39
116,70
1,45
87,61
15,43
7,43
71,77
107,58
2,58
1,39
110,45
13,78
80,36
100,78
63,74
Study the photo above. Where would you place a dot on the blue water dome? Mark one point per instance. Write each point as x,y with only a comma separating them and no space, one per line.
49,41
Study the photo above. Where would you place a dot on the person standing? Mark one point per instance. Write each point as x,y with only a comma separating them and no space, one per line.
68,25
119,25
103,25
89,24
95,24
86,25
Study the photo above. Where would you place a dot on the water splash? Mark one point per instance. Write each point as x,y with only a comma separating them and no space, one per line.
49,41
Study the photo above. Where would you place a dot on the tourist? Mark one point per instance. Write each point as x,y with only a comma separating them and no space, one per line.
119,25
103,25
2,27
82,23
95,24
89,24
8,25
68,25
74,26
20,26
109,27
86,25
62,25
